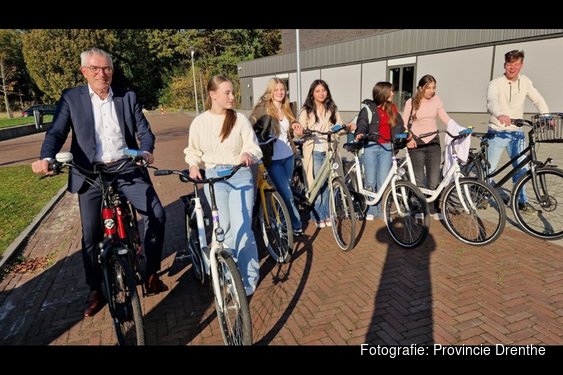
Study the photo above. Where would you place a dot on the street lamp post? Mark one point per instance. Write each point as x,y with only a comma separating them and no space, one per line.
195,87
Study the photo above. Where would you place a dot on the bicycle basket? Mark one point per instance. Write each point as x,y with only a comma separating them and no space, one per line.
548,127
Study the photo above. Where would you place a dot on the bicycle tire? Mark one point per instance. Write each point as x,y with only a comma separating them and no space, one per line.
410,230
123,302
484,223
473,168
547,221
138,258
278,234
236,329
193,245
342,215
351,181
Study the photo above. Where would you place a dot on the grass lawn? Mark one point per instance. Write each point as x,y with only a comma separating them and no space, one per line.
8,122
22,196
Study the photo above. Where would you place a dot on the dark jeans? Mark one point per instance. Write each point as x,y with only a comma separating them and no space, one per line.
138,189
426,164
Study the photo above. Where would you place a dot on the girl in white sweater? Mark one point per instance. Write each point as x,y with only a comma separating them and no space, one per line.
218,139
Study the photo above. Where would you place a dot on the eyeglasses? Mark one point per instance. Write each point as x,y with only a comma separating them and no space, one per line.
96,69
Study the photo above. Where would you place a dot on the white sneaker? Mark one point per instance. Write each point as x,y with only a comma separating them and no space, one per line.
370,217
437,216
419,216
321,224
328,223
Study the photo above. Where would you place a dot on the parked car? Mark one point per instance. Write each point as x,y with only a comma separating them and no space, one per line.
45,109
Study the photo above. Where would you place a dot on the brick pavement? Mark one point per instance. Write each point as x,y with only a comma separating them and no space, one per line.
446,292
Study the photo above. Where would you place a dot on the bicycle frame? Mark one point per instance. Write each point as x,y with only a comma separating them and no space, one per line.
326,174
394,173
454,172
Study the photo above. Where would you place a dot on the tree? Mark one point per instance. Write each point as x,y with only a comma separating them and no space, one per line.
10,56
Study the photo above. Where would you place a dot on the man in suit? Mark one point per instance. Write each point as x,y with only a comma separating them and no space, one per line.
104,122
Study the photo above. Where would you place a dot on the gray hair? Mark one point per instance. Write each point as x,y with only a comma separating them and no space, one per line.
94,51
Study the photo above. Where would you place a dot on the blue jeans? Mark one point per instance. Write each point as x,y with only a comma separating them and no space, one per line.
377,164
321,202
280,172
235,201
514,142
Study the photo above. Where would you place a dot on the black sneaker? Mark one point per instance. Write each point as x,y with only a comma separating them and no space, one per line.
297,232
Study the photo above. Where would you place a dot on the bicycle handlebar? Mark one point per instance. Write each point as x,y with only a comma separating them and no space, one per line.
402,135
520,122
335,129
185,175
65,159
461,134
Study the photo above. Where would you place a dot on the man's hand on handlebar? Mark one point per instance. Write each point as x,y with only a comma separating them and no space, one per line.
42,167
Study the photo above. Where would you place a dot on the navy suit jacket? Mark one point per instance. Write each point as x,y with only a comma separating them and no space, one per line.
74,112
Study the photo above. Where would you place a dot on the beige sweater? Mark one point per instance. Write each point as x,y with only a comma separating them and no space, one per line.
205,148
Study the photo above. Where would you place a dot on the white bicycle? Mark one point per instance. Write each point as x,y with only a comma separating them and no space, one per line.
216,262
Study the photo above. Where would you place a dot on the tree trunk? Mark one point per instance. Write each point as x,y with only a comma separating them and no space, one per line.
10,114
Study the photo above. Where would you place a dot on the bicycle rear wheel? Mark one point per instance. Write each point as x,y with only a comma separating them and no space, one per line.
123,302
407,218
277,230
544,215
234,318
342,215
486,218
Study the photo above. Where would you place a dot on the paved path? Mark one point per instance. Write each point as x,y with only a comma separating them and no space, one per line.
446,292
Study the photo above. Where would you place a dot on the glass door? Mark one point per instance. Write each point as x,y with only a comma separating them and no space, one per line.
402,78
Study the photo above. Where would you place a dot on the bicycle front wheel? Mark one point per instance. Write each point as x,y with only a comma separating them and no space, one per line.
234,317
194,247
342,215
473,168
486,218
123,301
543,217
406,214
277,230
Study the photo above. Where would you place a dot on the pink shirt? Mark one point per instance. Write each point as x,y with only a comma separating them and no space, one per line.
426,116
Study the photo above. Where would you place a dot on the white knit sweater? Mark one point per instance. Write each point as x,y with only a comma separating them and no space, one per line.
505,97
205,148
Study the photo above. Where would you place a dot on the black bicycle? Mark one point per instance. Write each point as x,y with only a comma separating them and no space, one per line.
542,183
120,254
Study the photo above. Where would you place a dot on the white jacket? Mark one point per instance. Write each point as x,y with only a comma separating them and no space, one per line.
461,145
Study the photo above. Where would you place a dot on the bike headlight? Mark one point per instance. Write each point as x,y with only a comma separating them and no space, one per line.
335,166
401,172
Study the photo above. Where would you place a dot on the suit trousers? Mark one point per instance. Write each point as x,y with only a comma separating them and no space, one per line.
136,186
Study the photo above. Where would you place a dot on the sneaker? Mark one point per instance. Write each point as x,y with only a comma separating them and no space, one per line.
370,217
321,224
328,223
297,232
419,216
437,216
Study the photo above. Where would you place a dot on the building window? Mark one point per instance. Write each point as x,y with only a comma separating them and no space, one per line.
402,78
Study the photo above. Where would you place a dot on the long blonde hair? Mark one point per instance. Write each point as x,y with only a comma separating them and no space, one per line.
267,100
231,116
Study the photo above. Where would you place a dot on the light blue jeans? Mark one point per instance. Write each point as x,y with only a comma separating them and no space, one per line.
514,142
235,201
321,202
377,164
280,172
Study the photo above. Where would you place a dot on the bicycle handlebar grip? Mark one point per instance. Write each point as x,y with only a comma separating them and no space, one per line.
401,135
466,131
337,128
162,172
133,153
63,157
517,122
